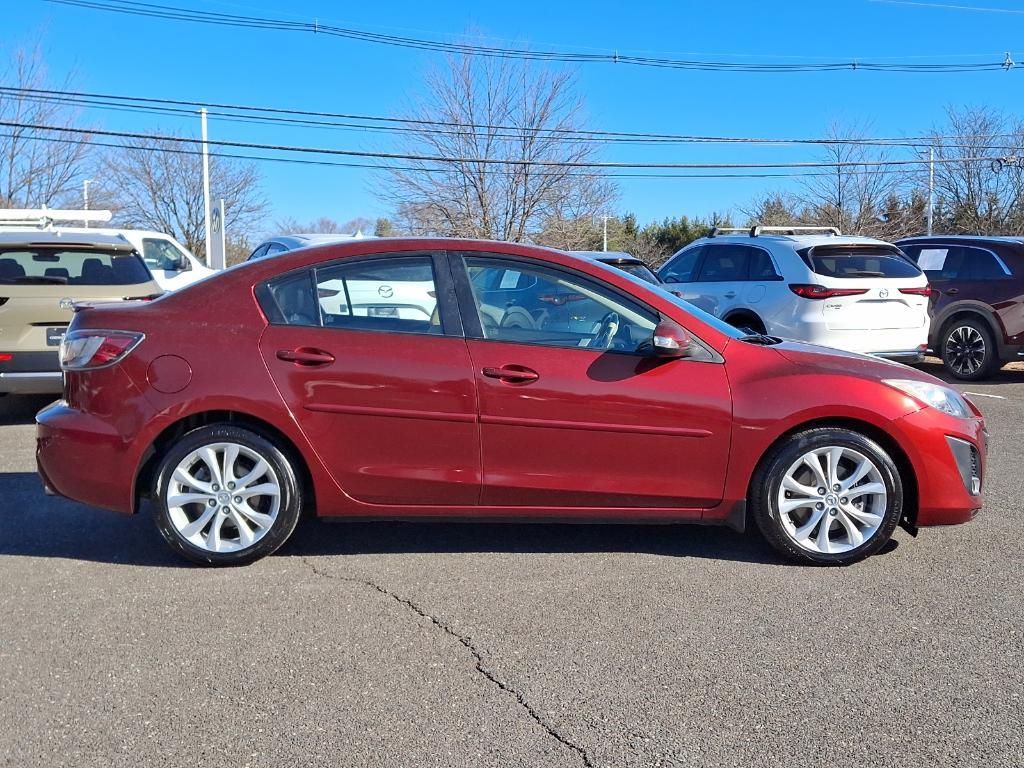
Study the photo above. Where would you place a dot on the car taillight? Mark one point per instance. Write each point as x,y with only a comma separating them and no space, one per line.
5,358
89,349
926,291
814,291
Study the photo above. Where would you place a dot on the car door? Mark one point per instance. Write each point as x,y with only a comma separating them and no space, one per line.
386,399
678,272
718,286
573,414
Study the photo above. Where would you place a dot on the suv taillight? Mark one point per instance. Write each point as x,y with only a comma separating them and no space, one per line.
814,291
89,349
926,291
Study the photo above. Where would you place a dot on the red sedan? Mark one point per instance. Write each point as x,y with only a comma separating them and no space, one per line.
441,379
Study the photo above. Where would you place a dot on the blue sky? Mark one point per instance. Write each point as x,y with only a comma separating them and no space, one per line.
111,53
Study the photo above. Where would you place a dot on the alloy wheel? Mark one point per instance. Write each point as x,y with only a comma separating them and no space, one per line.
965,350
832,499
223,497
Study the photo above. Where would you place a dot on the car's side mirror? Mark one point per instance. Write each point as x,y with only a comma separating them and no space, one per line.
671,341
183,265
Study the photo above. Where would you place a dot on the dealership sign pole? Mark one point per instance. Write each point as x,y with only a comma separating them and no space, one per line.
218,238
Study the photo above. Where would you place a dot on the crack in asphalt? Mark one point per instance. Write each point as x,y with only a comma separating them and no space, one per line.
468,645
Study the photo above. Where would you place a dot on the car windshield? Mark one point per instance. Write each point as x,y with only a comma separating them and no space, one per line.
58,265
638,270
858,261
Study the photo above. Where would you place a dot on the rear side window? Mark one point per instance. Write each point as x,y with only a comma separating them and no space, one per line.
846,261
724,264
375,295
682,266
957,262
69,266
761,266
162,254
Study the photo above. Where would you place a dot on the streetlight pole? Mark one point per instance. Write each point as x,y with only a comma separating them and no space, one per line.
206,185
604,222
85,197
931,187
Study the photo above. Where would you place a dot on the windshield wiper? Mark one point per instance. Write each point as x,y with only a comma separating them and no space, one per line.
760,338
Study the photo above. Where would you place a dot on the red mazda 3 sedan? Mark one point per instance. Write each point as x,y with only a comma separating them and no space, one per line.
441,379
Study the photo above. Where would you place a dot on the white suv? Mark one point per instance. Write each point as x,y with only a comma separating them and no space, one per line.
809,284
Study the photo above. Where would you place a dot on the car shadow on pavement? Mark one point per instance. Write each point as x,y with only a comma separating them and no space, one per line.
1010,374
22,409
35,525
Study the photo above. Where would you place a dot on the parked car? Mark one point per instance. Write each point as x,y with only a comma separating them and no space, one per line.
172,265
452,417
41,275
623,261
808,284
978,284
284,243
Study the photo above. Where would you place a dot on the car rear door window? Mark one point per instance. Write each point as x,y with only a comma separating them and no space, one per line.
681,267
382,294
761,267
983,264
724,264
558,309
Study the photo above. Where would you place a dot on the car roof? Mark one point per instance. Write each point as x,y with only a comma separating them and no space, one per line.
795,241
77,239
1016,240
614,257
304,240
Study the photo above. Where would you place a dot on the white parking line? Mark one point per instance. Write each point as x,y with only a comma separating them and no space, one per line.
982,394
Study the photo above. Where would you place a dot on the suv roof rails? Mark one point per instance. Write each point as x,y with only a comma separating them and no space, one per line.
757,229
44,217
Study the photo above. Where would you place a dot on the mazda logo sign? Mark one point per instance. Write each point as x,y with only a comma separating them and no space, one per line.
386,291
884,293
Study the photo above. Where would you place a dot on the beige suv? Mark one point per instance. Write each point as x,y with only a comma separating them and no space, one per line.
41,275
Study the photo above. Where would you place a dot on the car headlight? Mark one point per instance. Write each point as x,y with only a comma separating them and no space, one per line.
943,398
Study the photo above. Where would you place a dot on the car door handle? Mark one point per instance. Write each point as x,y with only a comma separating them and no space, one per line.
730,295
952,291
513,374
306,356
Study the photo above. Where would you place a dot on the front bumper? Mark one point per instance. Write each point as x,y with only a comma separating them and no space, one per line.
947,454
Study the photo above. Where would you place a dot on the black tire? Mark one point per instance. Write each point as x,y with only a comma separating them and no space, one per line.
747,322
968,350
767,481
289,509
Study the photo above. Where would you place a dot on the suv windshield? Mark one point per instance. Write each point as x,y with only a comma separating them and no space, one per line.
57,265
858,261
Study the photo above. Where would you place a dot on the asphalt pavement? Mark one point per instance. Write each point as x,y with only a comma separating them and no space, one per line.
395,644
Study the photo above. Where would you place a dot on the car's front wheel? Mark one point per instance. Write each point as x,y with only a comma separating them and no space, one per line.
225,495
827,496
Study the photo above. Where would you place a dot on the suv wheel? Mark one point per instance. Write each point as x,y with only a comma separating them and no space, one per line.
827,496
968,350
225,496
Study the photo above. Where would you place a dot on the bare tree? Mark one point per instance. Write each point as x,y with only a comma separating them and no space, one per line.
505,119
849,193
324,226
37,166
159,185
974,197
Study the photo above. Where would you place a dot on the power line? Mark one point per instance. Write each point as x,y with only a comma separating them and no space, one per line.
279,115
515,162
175,13
383,167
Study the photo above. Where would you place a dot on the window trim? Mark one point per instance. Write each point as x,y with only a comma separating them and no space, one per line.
451,322
467,302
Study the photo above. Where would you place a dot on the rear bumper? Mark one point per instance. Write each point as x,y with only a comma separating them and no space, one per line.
31,383
31,373
904,356
940,447
892,343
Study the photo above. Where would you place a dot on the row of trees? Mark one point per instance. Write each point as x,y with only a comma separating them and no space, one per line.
504,154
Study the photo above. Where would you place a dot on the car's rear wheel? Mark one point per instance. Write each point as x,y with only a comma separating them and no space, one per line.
827,496
226,496
968,350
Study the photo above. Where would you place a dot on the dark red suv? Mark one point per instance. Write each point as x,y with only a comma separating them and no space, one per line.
410,379
978,299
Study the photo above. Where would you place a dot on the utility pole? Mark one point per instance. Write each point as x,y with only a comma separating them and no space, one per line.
206,185
931,187
85,197
604,221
